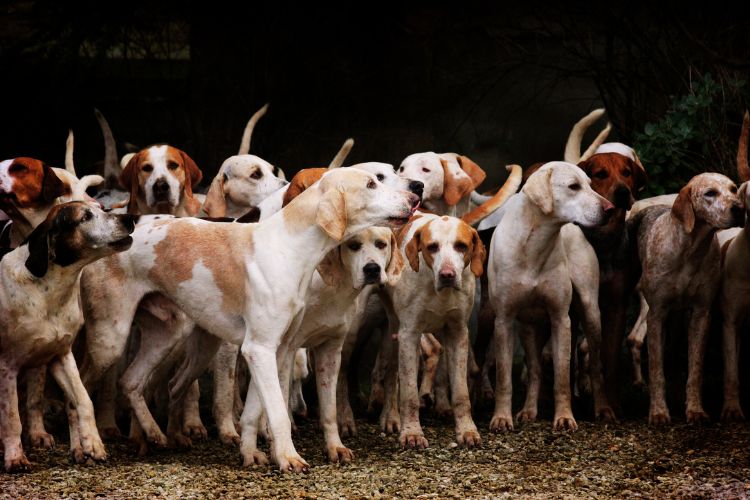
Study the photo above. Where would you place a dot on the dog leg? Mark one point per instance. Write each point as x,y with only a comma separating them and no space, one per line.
430,349
327,365
38,435
531,338
192,425
344,413
442,398
563,419
10,421
658,411
378,374
408,365
635,341
592,327
106,405
457,340
249,421
697,336
224,368
731,411
390,420
502,419
66,374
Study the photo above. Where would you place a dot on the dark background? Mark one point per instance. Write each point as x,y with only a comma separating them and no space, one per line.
499,83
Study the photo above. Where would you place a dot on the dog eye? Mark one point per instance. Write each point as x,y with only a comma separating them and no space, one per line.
602,174
380,177
461,247
86,216
256,175
401,169
710,193
354,246
17,167
371,184
626,173
733,189
426,170
380,244
574,187
172,165
433,247
147,168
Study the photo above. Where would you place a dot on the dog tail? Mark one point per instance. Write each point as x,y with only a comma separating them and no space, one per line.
112,168
69,143
573,146
248,133
509,189
743,169
597,142
340,157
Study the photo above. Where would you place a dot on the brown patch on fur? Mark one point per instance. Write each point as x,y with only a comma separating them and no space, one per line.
406,227
682,210
35,184
476,252
454,188
473,170
188,243
609,171
301,181
418,243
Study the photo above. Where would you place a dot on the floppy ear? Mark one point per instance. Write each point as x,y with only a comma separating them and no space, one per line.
331,216
129,181
39,254
296,187
478,254
454,188
742,195
639,172
301,181
682,210
584,165
538,189
331,269
216,202
52,186
194,174
412,250
396,262
475,172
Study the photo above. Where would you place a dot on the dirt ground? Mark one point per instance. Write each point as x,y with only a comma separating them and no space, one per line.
628,459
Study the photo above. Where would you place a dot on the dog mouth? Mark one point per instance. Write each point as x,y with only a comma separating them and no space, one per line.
122,244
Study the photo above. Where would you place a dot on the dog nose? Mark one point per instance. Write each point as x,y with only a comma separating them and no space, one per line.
161,188
416,187
372,272
622,197
608,207
447,276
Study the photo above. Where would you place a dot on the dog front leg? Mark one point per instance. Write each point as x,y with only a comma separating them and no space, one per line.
10,421
344,413
457,356
408,365
327,364
38,435
697,336
731,411
106,405
658,412
531,339
89,444
592,325
224,369
560,323
502,418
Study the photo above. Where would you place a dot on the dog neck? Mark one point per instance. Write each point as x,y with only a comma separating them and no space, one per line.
696,242
533,242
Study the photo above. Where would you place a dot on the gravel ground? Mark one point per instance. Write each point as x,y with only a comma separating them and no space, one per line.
627,459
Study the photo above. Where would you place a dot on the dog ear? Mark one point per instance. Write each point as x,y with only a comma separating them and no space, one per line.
52,186
478,254
454,187
682,210
331,268
412,250
331,215
301,181
195,176
129,181
216,202
396,262
39,255
639,173
538,189
474,171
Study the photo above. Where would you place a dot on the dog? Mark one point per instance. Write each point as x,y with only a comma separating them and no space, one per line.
258,282
41,316
530,280
681,267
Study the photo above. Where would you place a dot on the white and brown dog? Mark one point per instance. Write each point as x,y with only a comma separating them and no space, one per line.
41,316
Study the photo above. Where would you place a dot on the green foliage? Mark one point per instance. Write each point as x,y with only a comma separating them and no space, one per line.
692,135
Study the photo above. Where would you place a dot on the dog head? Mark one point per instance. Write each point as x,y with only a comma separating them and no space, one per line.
615,176
447,245
563,191
371,257
709,198
243,181
446,176
77,233
387,175
159,179
26,183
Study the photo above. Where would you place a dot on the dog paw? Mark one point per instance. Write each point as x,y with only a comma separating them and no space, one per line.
501,424
469,439
110,434
390,423
253,458
564,423
230,438
732,413
659,417
195,431
414,440
180,440
42,440
156,438
347,428
340,455
526,416
93,448
697,416
293,464
606,414
17,463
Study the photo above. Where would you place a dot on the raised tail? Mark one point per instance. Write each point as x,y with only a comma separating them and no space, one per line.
340,157
512,183
573,146
248,133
